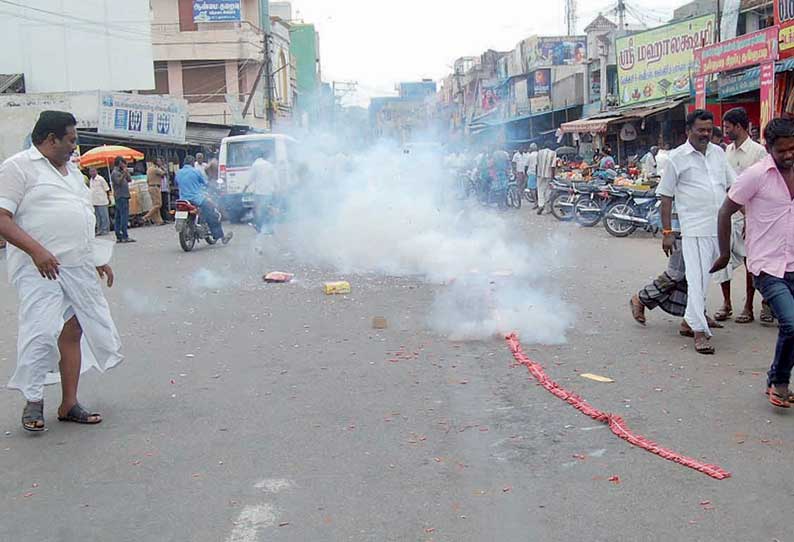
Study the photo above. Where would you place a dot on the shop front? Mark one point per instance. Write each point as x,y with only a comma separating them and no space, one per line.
745,67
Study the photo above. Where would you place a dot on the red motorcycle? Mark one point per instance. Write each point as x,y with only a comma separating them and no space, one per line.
191,226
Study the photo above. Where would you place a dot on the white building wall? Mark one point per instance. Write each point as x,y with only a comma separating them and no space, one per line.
112,50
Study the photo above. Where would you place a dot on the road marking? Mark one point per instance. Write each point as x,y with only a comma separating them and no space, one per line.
250,521
273,485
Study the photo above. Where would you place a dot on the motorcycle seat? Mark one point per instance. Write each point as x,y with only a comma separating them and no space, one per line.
183,203
644,193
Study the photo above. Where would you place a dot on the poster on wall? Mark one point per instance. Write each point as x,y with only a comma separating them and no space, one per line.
216,11
561,51
136,116
542,82
767,93
656,64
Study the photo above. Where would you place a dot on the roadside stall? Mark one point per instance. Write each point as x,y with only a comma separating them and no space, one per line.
103,157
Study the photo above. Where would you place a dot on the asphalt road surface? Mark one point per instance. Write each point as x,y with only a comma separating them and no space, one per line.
251,412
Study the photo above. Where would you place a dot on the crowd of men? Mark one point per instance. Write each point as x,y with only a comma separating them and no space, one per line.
722,209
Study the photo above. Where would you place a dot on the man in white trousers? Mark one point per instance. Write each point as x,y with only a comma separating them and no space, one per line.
546,170
697,176
55,264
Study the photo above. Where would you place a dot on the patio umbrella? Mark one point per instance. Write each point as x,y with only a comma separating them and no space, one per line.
105,155
562,151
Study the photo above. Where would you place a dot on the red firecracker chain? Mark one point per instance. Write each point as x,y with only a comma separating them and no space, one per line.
615,423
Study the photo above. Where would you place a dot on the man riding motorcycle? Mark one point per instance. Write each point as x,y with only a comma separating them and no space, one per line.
193,188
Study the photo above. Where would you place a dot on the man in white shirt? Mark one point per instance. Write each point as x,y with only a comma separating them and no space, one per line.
100,191
48,220
201,164
648,162
741,154
547,167
264,182
532,173
698,177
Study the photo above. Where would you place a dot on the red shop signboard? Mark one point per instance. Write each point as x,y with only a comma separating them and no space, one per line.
784,19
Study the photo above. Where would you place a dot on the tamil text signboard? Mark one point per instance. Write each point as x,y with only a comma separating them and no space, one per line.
136,116
784,18
657,64
748,50
216,11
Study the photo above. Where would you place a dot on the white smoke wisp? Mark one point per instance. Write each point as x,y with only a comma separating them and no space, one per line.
206,279
384,211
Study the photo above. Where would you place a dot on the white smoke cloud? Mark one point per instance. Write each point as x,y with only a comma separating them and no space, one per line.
383,211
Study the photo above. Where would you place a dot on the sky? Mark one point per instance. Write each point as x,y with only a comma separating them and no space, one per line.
379,43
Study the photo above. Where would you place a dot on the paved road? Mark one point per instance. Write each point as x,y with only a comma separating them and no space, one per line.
249,412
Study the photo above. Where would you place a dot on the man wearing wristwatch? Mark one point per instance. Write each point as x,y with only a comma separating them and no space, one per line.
697,177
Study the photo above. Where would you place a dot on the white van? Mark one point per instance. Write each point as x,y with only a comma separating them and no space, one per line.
237,155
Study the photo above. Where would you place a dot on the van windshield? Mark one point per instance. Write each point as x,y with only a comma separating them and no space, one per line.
245,153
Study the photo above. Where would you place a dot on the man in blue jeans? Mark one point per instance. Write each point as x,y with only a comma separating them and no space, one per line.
193,188
120,179
766,191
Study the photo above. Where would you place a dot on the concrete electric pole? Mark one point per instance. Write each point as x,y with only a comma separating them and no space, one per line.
570,16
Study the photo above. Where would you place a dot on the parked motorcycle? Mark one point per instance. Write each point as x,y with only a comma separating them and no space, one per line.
191,226
562,200
590,203
638,209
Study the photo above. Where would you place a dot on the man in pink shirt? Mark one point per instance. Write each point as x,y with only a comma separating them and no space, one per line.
766,191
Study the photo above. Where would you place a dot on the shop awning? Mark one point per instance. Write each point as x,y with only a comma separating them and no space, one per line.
206,135
600,122
586,126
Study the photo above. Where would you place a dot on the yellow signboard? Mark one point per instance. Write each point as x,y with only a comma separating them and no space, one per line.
656,64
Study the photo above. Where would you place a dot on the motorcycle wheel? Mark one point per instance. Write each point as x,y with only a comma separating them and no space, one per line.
616,227
514,197
562,212
587,212
528,196
187,237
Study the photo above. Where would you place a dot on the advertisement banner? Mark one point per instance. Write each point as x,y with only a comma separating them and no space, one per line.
784,19
560,51
216,11
748,50
767,94
137,116
541,82
700,92
656,64
730,19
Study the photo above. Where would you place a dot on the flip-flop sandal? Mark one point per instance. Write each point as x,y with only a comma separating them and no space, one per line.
78,414
636,311
713,324
685,331
767,318
744,318
32,413
777,400
790,395
722,315
704,347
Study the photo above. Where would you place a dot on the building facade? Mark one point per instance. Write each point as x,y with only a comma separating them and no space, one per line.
213,61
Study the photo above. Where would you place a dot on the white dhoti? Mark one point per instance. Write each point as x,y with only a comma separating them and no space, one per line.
44,307
738,251
699,255
543,191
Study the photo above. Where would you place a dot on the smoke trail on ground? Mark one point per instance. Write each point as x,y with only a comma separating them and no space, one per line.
386,211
